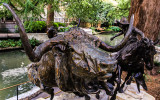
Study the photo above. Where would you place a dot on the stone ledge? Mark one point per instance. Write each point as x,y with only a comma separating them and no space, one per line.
131,93
157,56
10,48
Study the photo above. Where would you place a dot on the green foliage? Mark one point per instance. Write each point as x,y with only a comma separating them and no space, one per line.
35,26
4,12
34,8
121,10
115,28
91,11
61,30
18,43
65,28
73,23
16,29
55,25
8,43
112,28
14,43
61,24
34,42
93,28
108,30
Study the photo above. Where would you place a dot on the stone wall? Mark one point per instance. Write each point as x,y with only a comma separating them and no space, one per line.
7,27
39,36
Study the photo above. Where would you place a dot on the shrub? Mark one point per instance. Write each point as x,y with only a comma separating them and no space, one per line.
13,43
93,28
61,24
115,28
41,26
55,25
16,29
18,43
34,42
65,28
35,26
73,23
108,30
61,30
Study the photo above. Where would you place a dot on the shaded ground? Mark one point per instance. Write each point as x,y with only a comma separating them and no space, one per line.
153,82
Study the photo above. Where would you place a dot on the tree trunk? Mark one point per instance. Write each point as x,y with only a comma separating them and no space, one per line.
147,17
50,15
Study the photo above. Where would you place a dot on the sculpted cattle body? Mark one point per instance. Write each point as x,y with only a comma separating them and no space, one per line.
134,56
74,61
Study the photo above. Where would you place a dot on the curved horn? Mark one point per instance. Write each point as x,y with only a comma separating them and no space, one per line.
27,47
156,42
109,48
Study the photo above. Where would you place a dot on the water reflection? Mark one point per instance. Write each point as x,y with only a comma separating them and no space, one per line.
106,38
13,71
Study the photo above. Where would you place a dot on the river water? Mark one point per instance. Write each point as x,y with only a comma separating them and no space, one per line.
106,38
13,69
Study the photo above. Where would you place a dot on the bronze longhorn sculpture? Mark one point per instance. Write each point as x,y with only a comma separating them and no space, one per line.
77,62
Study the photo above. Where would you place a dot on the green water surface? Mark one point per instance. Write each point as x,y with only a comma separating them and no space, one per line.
13,71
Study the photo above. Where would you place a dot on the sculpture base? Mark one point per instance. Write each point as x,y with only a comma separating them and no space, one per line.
130,93
71,96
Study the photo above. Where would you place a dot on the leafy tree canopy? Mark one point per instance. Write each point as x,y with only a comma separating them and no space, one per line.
97,10
87,10
119,11
91,11
29,8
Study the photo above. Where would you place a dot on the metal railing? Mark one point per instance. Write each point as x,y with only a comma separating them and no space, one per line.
16,85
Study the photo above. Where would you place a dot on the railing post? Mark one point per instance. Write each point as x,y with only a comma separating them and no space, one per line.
17,92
